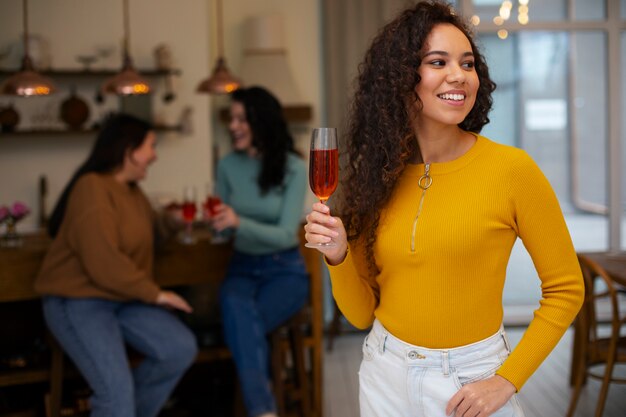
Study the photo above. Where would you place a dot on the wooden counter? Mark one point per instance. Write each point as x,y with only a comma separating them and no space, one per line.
175,264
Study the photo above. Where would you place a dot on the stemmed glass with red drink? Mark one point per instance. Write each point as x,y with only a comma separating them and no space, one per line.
211,202
323,168
189,210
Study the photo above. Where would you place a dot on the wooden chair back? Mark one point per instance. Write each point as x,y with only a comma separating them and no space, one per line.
592,345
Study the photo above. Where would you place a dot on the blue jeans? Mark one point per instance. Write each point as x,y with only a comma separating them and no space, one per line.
93,333
403,380
258,294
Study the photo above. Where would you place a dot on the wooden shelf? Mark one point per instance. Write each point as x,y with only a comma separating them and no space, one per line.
23,376
77,73
96,73
299,113
74,132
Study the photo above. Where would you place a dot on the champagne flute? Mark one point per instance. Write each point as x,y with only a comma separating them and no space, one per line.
189,214
210,204
323,168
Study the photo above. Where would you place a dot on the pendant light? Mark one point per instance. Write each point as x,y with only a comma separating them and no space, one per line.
221,81
128,81
27,82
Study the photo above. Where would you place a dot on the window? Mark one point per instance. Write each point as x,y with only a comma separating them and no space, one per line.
553,101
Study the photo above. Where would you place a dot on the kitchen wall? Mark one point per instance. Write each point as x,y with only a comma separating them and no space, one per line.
73,27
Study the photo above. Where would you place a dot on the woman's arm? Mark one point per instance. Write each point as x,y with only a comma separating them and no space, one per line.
540,224
354,291
282,233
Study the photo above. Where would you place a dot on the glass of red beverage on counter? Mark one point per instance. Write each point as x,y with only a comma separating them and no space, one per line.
189,209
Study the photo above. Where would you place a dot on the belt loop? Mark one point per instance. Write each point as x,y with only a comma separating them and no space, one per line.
445,359
383,341
506,341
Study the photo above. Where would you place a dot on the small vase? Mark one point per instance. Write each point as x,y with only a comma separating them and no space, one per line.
10,238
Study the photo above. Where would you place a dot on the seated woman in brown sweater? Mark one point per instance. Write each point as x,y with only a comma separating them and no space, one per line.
97,284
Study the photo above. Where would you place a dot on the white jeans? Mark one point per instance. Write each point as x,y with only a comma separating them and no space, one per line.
398,379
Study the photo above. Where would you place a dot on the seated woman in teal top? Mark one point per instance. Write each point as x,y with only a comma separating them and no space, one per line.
262,184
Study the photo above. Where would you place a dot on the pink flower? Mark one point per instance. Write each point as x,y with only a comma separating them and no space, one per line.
4,213
16,212
19,210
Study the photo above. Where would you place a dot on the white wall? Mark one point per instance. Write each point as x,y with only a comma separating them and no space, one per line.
301,20
74,27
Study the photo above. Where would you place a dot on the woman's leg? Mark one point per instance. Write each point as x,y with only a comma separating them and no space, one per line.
90,334
258,294
168,346
283,289
244,333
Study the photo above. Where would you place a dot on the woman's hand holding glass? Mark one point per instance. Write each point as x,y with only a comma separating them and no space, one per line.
224,218
213,208
220,217
321,228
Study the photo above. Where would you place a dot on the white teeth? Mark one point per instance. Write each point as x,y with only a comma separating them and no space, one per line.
455,97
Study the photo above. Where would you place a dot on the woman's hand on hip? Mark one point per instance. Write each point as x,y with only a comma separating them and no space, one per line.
481,398
170,299
321,227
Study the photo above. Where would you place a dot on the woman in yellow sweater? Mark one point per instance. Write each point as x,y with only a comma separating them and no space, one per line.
429,214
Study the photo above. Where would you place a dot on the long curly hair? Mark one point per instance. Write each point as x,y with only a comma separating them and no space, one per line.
380,139
270,134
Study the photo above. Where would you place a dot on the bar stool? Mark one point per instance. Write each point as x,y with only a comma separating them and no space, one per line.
296,355
288,363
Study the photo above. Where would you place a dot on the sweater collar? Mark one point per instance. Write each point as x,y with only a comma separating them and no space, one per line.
440,168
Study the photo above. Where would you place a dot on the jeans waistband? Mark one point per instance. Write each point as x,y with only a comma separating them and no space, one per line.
422,356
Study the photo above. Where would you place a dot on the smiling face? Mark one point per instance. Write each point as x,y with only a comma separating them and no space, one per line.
239,128
449,82
137,160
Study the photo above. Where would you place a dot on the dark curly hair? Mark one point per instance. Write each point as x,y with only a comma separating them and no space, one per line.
380,139
270,134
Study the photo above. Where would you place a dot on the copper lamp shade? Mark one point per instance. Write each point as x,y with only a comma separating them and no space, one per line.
220,82
128,81
27,82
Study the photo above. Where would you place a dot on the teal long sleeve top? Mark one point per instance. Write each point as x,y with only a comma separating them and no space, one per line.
269,222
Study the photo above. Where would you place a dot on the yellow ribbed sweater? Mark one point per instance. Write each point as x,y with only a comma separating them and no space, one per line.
448,292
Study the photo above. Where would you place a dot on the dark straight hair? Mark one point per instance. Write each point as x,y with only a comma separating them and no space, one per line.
270,134
120,133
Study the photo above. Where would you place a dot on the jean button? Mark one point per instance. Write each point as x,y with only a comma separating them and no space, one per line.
412,354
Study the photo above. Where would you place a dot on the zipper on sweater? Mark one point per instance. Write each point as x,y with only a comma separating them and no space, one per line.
424,182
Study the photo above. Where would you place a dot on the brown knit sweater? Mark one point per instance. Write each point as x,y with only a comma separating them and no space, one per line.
104,248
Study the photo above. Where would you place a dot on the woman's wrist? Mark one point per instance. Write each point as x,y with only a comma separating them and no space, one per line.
336,260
